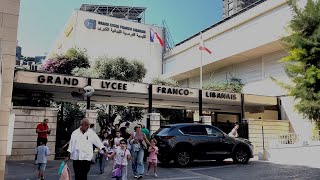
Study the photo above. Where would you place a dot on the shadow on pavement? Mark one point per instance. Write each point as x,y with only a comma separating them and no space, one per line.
198,164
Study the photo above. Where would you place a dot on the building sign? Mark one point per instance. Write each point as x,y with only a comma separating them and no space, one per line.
90,23
57,80
112,85
50,79
175,91
115,28
221,96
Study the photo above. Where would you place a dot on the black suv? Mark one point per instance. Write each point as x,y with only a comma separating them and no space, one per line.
185,142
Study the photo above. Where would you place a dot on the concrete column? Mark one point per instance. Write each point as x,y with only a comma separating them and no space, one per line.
154,122
9,15
206,120
92,116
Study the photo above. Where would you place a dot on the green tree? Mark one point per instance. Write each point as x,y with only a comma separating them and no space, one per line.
69,118
34,99
114,68
166,82
303,61
233,85
26,58
118,69
65,63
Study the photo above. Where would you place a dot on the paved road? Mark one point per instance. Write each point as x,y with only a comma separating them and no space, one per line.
255,170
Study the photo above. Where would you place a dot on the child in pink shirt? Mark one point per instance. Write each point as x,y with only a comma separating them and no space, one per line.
153,150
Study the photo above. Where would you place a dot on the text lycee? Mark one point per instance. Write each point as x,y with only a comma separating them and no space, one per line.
114,85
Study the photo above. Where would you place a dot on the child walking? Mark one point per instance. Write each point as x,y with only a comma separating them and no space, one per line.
117,139
122,155
102,158
153,160
42,152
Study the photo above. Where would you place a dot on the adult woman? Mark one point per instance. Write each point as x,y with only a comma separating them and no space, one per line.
138,153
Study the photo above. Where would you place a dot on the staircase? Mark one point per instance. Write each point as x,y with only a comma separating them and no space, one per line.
300,125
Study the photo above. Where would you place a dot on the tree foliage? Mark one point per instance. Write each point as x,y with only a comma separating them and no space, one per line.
34,99
114,68
117,69
303,61
166,82
68,121
65,63
233,85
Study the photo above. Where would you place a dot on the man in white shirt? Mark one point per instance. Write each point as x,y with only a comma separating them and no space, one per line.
80,149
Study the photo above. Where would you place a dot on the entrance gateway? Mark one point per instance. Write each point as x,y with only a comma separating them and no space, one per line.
139,94
223,106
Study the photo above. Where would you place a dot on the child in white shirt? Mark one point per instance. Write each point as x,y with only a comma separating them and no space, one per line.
122,155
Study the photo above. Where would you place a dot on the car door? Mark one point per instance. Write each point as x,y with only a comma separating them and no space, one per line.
197,136
218,143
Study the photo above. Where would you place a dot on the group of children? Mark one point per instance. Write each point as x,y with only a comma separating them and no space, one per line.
119,149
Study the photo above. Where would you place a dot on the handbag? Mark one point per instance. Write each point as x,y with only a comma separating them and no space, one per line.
61,168
117,171
65,174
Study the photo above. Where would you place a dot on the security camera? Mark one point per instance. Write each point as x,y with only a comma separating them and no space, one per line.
88,91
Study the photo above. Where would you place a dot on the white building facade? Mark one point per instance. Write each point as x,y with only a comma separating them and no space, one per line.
248,47
102,35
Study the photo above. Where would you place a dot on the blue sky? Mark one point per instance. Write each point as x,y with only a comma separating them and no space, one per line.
41,21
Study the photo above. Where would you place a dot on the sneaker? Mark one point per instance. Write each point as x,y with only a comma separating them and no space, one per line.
135,176
147,174
155,175
139,177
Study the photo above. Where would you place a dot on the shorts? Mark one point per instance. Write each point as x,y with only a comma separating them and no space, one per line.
42,166
155,161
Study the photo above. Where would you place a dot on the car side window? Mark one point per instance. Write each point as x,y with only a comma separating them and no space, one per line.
211,131
197,130
185,130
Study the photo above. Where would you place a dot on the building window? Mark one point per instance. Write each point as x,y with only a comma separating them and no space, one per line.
230,6
230,12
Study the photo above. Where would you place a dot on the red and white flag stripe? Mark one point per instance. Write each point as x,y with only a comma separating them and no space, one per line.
202,47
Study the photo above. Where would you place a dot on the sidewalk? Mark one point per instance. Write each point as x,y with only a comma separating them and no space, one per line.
26,170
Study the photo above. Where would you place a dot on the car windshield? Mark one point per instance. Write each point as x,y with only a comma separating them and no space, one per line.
163,130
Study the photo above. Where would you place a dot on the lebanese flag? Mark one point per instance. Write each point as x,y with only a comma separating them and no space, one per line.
154,34
202,47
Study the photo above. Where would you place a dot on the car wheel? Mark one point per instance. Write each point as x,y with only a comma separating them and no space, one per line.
183,158
241,155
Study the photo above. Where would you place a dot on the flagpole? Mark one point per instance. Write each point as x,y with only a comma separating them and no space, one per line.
201,70
201,63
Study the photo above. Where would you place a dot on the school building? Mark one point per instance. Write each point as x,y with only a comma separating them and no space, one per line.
245,45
